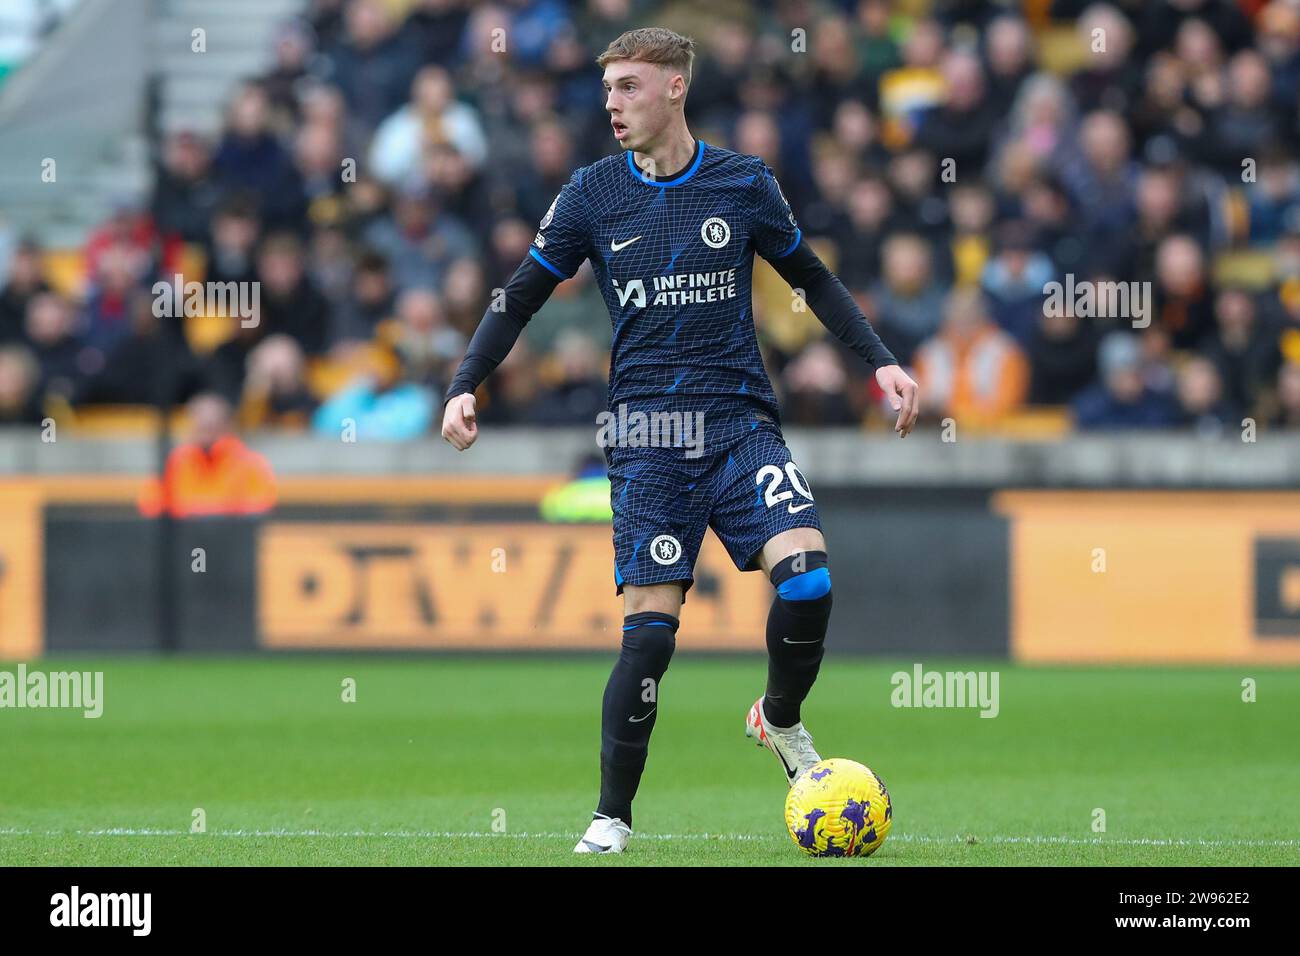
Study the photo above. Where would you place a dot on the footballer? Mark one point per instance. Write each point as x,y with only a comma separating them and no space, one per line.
670,227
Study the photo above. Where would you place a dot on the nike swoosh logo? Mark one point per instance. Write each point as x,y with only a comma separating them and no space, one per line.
788,641
795,509
616,246
596,847
637,720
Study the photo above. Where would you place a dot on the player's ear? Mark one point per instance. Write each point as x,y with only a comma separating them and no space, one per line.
676,88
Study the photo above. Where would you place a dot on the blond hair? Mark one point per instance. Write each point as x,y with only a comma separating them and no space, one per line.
657,45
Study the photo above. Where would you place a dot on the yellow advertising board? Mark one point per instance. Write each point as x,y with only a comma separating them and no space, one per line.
474,586
22,570
1134,576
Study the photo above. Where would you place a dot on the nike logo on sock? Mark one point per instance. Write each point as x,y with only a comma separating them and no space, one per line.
637,720
788,641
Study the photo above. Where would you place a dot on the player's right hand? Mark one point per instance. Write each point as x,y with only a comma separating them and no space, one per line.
459,424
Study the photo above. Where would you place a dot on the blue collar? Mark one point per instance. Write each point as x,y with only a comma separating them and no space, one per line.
677,180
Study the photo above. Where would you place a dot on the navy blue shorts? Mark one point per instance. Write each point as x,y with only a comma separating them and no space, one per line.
747,489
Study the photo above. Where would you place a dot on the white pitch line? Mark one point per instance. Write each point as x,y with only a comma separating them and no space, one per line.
737,837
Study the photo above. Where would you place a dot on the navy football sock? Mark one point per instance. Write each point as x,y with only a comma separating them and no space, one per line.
796,632
630,707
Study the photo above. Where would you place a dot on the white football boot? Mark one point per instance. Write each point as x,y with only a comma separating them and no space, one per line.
605,835
793,746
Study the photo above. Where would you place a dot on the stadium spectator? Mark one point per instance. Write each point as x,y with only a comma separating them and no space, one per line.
1165,204
1039,129
250,158
906,302
1015,282
517,387
227,365
1287,414
1182,295
1110,79
1274,203
326,20
577,390
1050,218
120,273
20,376
427,346
370,300
1242,348
377,405
720,74
973,209
26,280
330,264
551,165
878,51
464,291
131,230
1278,27
835,69
1244,122
1103,181
1008,48
150,364
275,389
912,175
419,240
1200,397
213,473
869,221
971,370
293,49
60,353
438,26
317,157
815,389
432,116
231,242
290,302
460,190
1062,355
915,86
962,127
373,62
186,193
1122,400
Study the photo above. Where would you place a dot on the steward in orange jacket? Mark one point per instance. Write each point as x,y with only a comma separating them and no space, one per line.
215,474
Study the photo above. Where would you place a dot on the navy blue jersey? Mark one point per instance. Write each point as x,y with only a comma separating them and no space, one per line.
674,259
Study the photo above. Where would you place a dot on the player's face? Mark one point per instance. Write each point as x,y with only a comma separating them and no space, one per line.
637,98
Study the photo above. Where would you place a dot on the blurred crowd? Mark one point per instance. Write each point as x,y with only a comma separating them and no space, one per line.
948,159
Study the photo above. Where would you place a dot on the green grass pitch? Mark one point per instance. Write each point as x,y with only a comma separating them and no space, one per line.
437,754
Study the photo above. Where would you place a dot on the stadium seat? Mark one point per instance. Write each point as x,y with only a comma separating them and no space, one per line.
119,421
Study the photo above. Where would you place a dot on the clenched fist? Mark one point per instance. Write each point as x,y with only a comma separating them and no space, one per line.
459,425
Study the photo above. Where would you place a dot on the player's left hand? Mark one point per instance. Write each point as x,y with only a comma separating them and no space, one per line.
903,396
